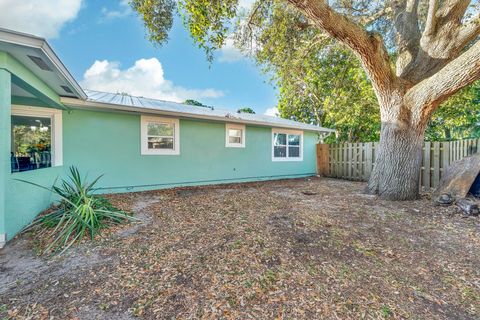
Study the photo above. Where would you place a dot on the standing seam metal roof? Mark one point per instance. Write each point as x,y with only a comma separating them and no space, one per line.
145,104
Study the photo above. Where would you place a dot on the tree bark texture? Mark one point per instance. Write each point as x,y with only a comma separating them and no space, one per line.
431,64
396,173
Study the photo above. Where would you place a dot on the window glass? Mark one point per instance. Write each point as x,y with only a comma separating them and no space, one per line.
31,143
287,145
280,139
280,152
235,139
160,135
235,135
160,129
293,140
160,143
294,152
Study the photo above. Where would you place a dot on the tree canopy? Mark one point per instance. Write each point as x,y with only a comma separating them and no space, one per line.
196,103
246,110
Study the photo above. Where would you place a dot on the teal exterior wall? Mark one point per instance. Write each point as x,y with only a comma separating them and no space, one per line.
108,143
25,201
5,109
20,202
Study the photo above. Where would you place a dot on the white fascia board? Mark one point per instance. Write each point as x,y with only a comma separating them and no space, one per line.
89,105
28,40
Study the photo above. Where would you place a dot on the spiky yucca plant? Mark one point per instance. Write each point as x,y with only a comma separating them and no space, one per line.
79,212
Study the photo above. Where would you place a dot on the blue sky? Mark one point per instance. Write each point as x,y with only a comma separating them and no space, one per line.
103,44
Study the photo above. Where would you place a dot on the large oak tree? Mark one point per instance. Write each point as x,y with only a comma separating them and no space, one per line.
416,53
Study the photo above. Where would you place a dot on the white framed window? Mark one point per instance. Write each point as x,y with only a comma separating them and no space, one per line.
36,138
160,136
234,135
287,145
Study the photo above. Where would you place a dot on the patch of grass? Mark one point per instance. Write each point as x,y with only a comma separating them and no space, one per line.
237,244
268,279
386,311
362,248
232,302
248,283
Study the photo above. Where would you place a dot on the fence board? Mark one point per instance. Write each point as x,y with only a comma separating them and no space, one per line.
355,161
436,164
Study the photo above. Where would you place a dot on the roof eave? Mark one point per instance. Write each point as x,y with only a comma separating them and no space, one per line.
82,104
24,39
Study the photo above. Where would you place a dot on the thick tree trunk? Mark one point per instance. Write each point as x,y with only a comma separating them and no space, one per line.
396,173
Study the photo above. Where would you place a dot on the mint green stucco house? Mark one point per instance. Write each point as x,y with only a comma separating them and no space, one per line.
48,123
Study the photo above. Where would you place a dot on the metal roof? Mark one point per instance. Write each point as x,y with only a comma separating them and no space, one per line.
126,102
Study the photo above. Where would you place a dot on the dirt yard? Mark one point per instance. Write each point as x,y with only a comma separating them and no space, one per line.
298,249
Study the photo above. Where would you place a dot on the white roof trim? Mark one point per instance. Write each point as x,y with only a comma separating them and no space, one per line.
28,40
89,105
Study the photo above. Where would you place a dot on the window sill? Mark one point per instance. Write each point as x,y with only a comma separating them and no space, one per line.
170,153
235,146
287,159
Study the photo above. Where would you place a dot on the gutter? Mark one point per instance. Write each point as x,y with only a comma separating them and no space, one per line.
90,105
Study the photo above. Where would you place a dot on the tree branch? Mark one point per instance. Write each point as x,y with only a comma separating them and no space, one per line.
469,32
408,34
368,47
431,17
459,73
454,9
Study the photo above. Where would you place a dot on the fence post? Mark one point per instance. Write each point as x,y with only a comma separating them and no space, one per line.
426,166
436,164
323,160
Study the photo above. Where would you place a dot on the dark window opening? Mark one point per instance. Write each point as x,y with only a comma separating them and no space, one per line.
31,143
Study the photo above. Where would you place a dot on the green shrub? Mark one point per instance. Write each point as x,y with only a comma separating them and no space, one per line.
79,213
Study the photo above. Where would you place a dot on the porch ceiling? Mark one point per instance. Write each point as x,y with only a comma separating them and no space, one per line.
32,56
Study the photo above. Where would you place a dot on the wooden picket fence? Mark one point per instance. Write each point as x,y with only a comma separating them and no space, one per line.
354,161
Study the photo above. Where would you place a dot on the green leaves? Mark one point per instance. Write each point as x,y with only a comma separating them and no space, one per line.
79,213
458,117
246,110
209,22
157,16
319,81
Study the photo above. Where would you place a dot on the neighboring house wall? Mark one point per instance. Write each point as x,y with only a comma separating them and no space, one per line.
109,143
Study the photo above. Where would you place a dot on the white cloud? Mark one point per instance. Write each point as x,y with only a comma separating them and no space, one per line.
41,18
229,53
123,10
145,78
273,112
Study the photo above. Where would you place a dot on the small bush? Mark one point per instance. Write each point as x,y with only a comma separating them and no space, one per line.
78,213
